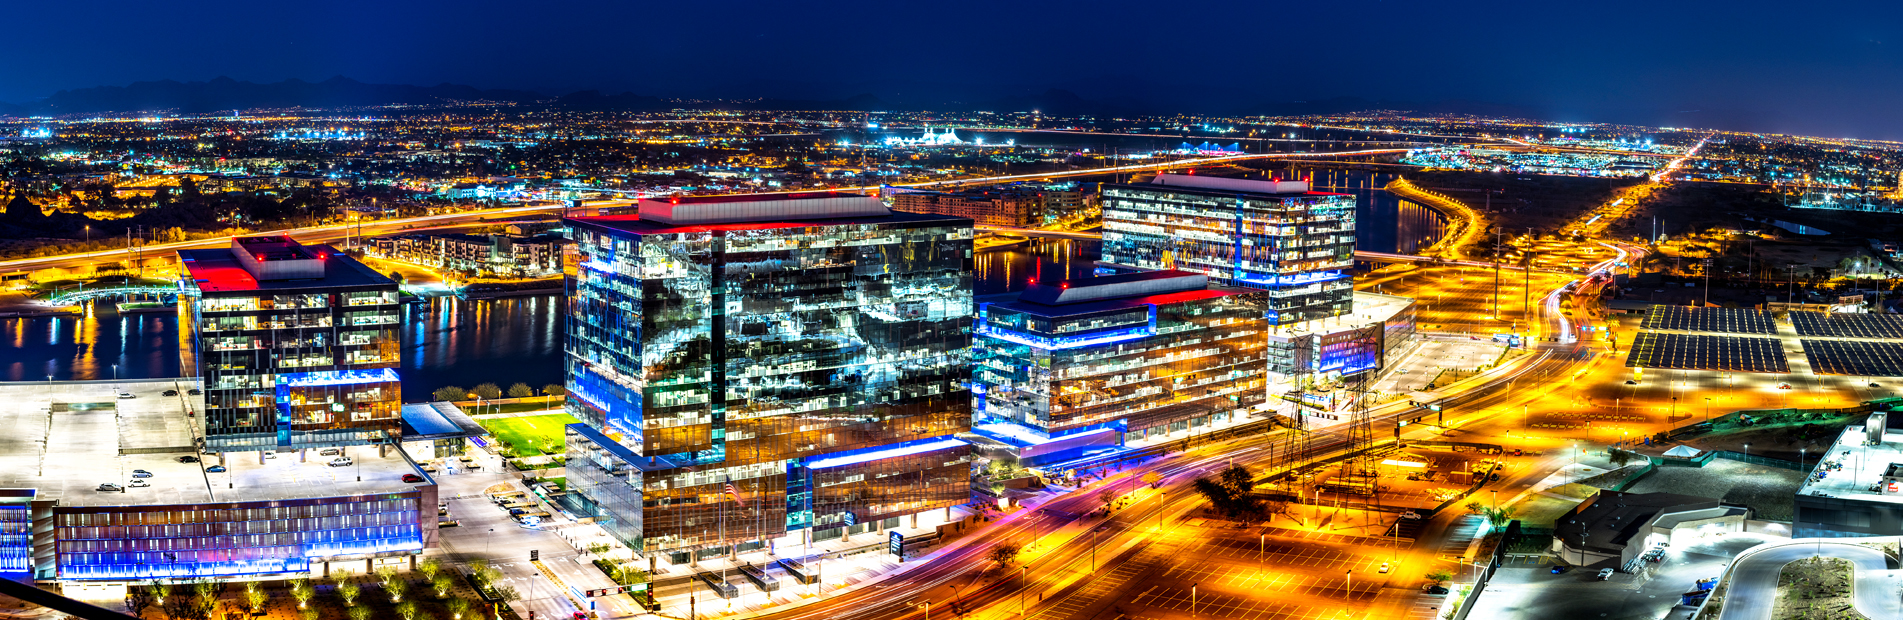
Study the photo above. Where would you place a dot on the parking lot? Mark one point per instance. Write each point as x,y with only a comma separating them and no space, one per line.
1213,605
1522,591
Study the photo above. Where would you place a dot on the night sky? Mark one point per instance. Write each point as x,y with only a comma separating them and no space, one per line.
1822,68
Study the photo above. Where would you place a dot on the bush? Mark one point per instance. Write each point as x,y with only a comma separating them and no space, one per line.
450,393
554,389
488,391
521,390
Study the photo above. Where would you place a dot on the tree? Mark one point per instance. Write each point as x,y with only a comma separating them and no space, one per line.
450,393
309,614
406,609
255,597
1475,507
1004,555
138,600
396,587
488,390
349,590
1500,517
521,390
1107,495
1152,479
302,591
429,567
358,613
23,212
506,594
457,607
554,389
1619,457
1440,575
442,583
1238,479
161,589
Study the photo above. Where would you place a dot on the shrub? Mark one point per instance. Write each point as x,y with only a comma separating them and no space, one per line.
521,390
488,390
450,392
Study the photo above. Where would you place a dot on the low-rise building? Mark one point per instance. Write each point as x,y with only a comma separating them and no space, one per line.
507,255
1619,526
1007,208
1856,487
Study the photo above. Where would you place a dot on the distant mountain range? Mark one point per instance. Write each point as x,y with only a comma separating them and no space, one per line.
223,94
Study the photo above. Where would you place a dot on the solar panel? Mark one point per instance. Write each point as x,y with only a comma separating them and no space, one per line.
1847,325
1713,320
1700,352
1854,358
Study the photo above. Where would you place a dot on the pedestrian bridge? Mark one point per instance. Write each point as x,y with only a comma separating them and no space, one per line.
68,297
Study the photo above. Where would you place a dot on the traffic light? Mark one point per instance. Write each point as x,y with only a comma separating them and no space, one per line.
535,554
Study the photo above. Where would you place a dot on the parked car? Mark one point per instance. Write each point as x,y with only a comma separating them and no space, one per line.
193,392
169,393
330,451
188,459
517,511
139,482
1433,589
412,478
1605,574
140,473
1384,567
342,461
215,469
448,523
1560,569
107,486
126,395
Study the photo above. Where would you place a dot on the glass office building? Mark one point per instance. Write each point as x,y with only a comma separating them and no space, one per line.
1273,235
1069,367
810,350
297,346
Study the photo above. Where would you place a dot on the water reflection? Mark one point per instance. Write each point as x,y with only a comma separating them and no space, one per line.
87,346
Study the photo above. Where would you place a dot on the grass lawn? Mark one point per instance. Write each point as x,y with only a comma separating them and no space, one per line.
471,408
528,435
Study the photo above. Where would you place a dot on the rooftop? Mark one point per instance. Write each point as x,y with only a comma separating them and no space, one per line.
636,224
1611,518
760,208
1369,308
1226,186
71,436
1080,290
221,271
1859,468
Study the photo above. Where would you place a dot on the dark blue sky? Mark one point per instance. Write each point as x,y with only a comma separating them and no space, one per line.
1823,68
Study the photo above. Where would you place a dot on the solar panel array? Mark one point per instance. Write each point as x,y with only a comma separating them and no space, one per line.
1697,352
1714,320
1847,325
1855,358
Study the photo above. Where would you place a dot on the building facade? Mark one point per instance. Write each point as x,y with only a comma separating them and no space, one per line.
510,255
1273,235
1007,208
1071,366
298,346
810,350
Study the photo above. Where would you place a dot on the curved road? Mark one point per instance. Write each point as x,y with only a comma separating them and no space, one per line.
1753,586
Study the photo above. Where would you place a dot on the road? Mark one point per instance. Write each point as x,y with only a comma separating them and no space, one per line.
1753,585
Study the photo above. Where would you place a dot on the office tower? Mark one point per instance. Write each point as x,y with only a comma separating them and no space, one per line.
810,350
1005,208
1272,235
1067,367
297,346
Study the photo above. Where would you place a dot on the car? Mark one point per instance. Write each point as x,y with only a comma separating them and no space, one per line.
342,461
193,392
580,616
1875,385
126,395
169,393
188,459
1433,589
330,451
270,455
1560,569
1384,567
140,473
448,523
139,482
1631,382
412,478
1605,574
517,512
215,469
107,486
1783,386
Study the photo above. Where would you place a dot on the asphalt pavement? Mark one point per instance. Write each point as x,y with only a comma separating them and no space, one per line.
1753,586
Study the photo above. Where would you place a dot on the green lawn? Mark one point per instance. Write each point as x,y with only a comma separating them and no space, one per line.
530,434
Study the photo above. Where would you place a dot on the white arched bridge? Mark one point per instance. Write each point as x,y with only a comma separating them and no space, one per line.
71,296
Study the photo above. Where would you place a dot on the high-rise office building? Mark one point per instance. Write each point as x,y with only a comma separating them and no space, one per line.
1273,235
297,345
811,351
1068,367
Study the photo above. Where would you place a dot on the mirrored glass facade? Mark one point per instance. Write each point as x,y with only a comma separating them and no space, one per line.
228,539
1141,364
819,366
1297,246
